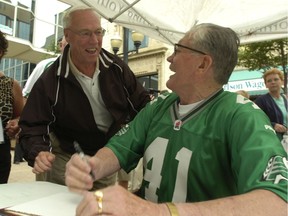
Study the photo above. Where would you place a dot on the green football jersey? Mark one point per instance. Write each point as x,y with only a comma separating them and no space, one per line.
224,146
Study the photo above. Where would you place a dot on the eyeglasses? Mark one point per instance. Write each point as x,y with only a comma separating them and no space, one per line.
85,34
176,47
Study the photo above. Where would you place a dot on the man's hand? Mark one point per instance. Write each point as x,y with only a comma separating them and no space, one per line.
12,128
280,128
118,201
77,175
43,162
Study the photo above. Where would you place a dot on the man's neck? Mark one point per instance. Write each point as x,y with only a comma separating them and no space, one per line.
199,95
87,70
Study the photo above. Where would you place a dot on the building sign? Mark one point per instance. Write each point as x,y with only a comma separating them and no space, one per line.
247,85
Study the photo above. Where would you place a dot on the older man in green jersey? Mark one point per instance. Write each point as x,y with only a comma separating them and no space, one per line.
205,151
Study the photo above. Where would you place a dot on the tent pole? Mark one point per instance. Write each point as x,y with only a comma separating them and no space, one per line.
125,44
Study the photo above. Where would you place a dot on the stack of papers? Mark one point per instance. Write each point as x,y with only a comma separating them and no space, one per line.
37,198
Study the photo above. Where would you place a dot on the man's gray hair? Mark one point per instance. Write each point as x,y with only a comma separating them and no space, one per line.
220,43
68,15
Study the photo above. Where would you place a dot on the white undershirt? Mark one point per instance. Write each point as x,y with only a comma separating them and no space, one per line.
91,88
184,109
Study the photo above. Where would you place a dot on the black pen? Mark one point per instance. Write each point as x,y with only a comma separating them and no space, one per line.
82,155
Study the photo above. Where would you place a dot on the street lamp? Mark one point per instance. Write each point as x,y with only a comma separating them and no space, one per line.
116,41
137,38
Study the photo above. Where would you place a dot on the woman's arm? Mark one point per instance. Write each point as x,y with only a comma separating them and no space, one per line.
18,99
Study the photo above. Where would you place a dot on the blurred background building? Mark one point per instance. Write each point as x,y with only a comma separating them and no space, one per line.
33,28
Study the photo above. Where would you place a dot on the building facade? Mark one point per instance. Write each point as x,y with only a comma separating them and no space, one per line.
21,22
15,20
26,21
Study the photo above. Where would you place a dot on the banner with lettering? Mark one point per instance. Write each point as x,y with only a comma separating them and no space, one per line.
247,85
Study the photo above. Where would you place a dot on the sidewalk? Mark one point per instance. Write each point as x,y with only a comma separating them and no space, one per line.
20,172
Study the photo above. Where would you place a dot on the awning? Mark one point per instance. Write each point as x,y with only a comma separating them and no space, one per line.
22,49
168,20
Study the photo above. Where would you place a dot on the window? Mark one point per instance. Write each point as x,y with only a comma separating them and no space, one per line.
150,82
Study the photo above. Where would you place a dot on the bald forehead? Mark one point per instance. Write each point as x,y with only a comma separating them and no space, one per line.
75,16
85,12
185,40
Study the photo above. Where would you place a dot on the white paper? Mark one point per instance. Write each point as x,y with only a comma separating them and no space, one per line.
60,204
16,193
38,198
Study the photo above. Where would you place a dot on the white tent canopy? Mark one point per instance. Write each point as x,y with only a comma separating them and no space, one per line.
168,20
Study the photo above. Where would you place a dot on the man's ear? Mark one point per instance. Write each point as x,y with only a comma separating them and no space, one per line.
206,62
65,31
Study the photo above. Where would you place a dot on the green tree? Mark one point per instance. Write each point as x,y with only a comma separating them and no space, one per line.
265,55
53,47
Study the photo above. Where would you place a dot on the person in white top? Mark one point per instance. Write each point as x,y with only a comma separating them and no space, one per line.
39,69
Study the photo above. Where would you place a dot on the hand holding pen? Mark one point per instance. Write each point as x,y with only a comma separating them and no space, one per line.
82,155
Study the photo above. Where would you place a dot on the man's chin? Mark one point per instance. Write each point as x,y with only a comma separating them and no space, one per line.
169,84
